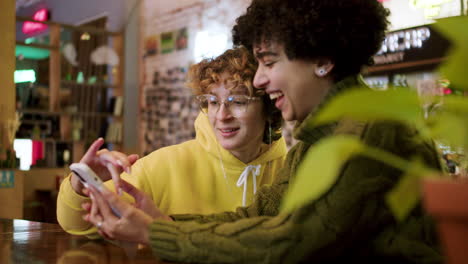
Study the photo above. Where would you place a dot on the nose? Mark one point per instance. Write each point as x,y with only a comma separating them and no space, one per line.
260,79
223,113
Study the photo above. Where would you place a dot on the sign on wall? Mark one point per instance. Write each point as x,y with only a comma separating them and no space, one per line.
410,45
7,179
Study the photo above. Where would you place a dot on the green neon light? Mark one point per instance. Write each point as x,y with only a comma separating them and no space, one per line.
29,40
22,76
32,52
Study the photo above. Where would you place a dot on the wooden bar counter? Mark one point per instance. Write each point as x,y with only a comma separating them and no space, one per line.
34,242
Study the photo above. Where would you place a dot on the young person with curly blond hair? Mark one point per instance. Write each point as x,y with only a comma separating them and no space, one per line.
238,148
308,52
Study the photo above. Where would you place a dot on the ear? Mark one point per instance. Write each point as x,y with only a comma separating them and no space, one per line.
323,67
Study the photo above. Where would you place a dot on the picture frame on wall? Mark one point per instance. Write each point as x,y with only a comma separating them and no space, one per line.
151,45
181,39
167,42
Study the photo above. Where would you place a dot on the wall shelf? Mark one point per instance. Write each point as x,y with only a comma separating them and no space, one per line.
79,112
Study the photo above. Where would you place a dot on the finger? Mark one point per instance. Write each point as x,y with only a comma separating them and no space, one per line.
94,208
92,150
133,158
92,217
108,215
86,218
103,234
101,205
115,202
106,156
123,161
115,177
132,190
86,206
97,221
118,159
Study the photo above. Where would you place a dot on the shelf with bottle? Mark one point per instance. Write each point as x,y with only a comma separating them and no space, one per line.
77,94
65,113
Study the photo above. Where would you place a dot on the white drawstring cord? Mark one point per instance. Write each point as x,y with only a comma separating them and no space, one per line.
222,168
243,178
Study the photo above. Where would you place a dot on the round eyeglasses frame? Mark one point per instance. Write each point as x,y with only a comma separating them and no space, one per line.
230,103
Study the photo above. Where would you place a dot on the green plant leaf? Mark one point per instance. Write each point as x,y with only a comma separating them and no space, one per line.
407,193
449,123
455,104
323,162
454,28
365,104
454,69
450,128
320,169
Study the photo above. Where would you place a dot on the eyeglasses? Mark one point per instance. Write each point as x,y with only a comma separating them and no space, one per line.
237,104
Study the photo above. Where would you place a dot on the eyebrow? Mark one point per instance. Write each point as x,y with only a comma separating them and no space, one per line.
235,91
259,55
238,91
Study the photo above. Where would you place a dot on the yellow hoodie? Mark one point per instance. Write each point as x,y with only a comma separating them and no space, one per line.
195,177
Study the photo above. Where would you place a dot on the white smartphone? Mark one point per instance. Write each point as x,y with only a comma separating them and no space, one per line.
88,177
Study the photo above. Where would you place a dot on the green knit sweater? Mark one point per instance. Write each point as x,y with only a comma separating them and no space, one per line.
349,222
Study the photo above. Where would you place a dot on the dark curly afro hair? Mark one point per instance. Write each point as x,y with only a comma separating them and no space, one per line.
348,32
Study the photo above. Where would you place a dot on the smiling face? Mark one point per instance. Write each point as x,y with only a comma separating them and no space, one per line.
292,83
241,135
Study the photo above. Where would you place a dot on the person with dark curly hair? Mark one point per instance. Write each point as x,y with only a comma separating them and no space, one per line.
308,52
238,148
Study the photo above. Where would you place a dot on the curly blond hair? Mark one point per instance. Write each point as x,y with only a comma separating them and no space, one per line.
236,68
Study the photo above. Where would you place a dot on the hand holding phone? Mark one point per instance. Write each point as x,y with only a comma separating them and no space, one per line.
89,178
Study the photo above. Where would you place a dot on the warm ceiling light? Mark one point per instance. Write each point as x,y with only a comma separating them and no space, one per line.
85,36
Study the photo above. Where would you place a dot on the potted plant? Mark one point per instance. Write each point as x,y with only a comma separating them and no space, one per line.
443,196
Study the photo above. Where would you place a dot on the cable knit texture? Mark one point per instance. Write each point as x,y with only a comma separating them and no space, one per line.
350,222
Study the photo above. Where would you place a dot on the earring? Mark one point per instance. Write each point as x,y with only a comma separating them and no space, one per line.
321,72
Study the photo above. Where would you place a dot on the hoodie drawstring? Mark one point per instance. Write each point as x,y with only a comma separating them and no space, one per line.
243,178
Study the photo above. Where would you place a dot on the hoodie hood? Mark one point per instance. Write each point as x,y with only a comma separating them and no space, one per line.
207,139
243,175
